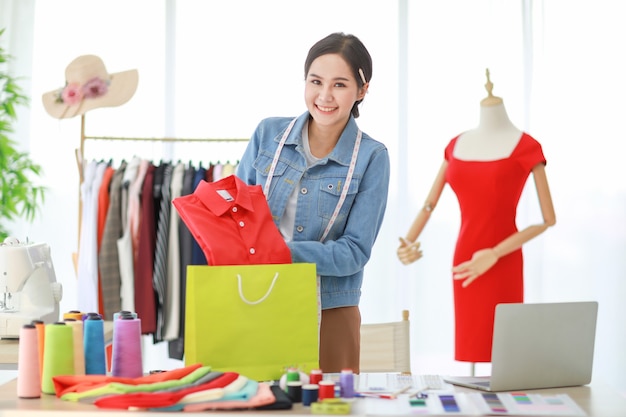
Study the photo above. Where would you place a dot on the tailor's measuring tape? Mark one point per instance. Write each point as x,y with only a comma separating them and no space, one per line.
330,406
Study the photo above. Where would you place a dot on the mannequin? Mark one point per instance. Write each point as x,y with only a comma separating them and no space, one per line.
495,137
487,168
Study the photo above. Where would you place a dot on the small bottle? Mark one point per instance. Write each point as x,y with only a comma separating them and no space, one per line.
346,382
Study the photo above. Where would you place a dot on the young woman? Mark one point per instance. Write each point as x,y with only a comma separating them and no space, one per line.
326,183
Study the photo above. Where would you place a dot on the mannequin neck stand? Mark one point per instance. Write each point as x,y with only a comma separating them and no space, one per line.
494,138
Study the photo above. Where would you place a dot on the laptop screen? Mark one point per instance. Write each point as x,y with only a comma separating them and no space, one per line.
543,345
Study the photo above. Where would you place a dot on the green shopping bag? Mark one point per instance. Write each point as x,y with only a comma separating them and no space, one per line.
257,320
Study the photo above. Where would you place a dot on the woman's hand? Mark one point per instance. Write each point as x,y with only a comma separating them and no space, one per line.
408,252
480,263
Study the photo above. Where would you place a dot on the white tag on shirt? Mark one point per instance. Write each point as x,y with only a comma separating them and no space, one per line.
225,195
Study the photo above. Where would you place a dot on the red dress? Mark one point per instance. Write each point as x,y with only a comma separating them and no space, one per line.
488,193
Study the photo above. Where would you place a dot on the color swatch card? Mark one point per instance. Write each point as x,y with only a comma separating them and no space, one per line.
433,404
525,404
475,404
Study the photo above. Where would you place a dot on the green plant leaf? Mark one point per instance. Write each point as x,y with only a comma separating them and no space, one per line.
20,195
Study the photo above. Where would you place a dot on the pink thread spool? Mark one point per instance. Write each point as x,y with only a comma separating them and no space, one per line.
127,358
28,373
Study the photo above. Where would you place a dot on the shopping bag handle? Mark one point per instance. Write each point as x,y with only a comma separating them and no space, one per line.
260,300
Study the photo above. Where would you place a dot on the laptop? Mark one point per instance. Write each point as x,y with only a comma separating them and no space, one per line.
542,345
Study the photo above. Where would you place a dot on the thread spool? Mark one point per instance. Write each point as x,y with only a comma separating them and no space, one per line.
41,336
93,344
294,391
293,374
116,316
79,351
326,390
58,358
315,376
346,382
73,314
28,372
91,314
309,394
123,313
127,358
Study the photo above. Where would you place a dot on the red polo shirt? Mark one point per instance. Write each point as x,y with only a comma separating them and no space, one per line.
232,223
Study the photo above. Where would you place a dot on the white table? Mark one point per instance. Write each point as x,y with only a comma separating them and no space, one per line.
596,400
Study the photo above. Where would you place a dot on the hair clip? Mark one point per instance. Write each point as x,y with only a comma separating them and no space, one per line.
362,76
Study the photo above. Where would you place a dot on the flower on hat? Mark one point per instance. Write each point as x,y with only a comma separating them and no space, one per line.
71,94
95,87
74,93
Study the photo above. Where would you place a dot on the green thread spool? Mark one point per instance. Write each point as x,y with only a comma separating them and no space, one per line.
58,354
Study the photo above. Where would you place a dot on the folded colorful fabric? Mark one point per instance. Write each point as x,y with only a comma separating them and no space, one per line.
114,388
263,396
235,389
246,391
200,396
148,399
202,380
64,384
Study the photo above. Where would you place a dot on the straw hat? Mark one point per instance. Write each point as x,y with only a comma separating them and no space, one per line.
89,86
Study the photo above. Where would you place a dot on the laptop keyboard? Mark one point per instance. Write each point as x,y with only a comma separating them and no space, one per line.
432,382
396,382
422,382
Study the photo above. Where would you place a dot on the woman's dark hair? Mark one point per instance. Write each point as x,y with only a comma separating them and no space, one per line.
352,50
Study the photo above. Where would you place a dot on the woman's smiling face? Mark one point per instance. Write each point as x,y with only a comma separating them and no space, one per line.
331,90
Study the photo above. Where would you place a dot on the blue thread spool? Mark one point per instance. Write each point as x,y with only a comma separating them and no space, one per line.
95,357
309,394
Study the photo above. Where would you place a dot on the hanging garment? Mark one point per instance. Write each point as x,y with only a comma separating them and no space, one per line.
159,276
172,300
88,248
103,208
176,348
197,255
145,305
124,243
108,260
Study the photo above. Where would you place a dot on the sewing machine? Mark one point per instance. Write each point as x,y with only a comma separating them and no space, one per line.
28,287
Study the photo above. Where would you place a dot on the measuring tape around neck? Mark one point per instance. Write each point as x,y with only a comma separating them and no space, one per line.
346,187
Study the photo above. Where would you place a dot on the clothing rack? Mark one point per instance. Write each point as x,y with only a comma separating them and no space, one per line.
80,153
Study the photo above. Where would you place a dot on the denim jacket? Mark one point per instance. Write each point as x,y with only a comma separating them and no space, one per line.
340,259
